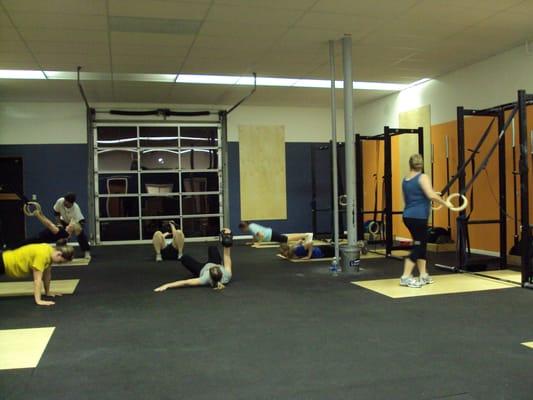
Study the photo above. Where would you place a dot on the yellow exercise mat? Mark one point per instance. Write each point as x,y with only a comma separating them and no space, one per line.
528,344
64,286
444,284
267,245
75,262
507,274
23,348
371,254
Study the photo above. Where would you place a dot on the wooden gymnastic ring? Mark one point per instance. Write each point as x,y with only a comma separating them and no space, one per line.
27,208
458,208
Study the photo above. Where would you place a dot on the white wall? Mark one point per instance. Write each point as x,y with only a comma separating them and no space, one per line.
50,123
42,123
488,83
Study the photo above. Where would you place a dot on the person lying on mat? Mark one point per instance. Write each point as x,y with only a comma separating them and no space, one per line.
36,260
166,245
215,272
262,233
306,250
53,232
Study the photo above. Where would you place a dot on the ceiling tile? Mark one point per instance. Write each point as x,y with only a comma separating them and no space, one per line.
69,62
158,9
150,39
374,8
64,35
80,7
90,48
8,33
138,50
253,15
352,24
241,30
285,4
58,21
210,65
143,64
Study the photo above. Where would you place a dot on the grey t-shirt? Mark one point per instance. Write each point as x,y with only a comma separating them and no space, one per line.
205,278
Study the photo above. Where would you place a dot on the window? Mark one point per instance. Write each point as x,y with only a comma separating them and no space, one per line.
146,174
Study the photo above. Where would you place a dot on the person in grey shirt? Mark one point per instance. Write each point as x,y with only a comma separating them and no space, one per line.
215,273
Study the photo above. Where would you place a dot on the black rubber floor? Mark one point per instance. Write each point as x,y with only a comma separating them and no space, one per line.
280,330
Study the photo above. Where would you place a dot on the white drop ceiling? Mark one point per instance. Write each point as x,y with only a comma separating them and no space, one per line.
397,41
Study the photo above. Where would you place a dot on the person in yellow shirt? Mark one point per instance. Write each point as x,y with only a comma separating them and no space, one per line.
36,260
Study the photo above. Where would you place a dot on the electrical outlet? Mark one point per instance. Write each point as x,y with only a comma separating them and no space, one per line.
34,197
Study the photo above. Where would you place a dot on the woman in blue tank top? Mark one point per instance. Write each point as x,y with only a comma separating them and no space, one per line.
418,195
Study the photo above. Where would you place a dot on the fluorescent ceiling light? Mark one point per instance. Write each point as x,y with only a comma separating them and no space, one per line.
394,87
419,82
21,74
206,79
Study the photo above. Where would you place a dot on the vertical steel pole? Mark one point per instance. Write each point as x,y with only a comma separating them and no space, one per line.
462,225
527,278
334,151
349,141
503,192
387,144
223,117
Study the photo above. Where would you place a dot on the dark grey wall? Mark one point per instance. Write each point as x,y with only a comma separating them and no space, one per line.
51,170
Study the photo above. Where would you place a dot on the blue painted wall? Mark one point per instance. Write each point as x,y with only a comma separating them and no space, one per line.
54,169
298,179
51,170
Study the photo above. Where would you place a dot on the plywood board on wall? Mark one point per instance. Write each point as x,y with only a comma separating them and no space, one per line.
262,172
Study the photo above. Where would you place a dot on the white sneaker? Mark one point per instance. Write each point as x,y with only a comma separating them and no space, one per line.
426,279
410,282
87,254
158,258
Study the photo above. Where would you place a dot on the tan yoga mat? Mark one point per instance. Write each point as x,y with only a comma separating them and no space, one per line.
510,275
76,262
23,348
444,284
64,286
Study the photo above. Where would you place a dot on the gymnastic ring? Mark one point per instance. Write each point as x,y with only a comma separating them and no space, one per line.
27,208
458,208
372,230
439,206
343,200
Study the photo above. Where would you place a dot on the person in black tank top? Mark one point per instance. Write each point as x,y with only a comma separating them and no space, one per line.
418,194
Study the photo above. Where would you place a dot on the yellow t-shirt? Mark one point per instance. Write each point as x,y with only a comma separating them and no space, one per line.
20,262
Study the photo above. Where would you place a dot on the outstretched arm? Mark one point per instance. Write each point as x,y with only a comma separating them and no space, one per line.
47,223
179,284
